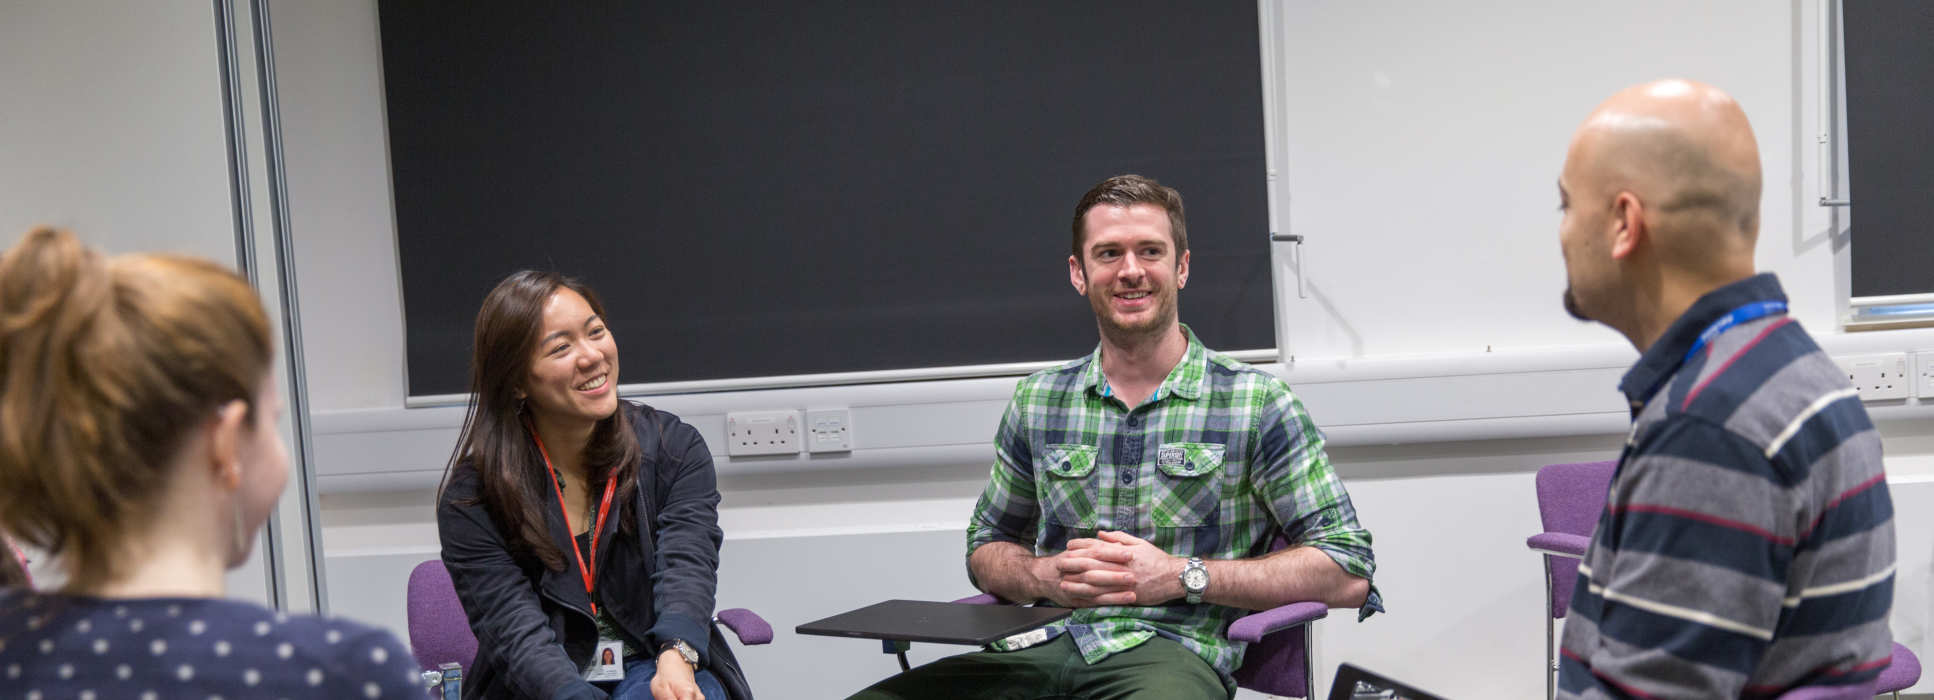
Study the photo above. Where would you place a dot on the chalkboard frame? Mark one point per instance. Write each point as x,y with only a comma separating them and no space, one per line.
457,236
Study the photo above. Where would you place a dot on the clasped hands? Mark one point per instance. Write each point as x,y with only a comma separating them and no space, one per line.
1112,568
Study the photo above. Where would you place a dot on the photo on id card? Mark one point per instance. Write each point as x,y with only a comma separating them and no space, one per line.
607,663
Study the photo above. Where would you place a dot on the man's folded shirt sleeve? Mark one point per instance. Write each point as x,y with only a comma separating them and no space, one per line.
1307,497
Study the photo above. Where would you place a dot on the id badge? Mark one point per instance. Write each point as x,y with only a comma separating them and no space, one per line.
608,662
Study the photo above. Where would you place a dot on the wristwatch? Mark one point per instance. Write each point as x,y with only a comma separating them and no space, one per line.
685,651
1195,580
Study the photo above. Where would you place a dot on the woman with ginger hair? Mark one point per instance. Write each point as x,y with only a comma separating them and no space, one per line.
139,450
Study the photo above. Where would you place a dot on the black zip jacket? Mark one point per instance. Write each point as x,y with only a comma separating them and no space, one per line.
534,627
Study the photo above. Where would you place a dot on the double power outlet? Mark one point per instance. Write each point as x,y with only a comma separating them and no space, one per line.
1890,376
752,433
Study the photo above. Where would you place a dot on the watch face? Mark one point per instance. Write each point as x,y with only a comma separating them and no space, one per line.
1195,579
684,650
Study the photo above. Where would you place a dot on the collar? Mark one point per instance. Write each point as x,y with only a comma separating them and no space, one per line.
1184,380
1660,361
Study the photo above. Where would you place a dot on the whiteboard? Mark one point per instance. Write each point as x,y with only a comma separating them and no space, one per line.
1420,143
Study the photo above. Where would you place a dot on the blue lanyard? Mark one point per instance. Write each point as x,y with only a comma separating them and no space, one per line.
1749,312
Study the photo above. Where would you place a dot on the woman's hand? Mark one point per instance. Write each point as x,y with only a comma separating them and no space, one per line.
675,679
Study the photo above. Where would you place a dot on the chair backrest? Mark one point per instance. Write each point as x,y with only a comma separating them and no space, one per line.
1571,497
1279,664
439,631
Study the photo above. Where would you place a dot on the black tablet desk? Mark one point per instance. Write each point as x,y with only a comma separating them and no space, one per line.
898,622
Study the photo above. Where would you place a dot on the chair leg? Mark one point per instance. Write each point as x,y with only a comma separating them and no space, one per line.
1550,662
1309,664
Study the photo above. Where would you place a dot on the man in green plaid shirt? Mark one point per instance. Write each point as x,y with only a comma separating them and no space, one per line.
1144,486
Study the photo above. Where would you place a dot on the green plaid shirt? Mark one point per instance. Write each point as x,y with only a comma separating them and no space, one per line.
1215,464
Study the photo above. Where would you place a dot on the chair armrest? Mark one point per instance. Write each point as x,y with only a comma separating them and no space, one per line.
1559,543
982,599
1253,627
750,628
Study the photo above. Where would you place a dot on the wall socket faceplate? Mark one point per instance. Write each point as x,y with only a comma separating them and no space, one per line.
829,430
1878,377
1924,375
750,433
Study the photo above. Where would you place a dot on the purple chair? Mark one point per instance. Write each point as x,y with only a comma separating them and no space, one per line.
1277,661
1570,499
1862,691
1901,673
440,633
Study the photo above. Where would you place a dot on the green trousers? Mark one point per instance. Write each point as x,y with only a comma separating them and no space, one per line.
1158,669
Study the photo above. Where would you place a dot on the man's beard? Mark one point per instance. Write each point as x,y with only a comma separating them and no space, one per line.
1571,305
1164,316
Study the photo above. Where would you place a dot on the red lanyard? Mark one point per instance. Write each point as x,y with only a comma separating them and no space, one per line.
604,507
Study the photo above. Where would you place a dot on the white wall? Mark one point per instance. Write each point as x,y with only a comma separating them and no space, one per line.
812,538
113,125
329,65
114,129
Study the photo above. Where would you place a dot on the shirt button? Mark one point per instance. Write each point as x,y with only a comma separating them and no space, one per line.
1135,421
1128,477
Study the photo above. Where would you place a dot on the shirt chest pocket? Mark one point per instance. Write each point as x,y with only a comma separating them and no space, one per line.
1189,491
1068,488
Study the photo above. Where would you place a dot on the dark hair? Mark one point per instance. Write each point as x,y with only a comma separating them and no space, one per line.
1124,190
13,572
106,367
496,441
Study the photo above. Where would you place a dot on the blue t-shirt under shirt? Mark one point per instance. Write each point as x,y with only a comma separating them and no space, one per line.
56,647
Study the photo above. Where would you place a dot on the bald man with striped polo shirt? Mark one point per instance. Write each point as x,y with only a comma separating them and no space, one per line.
1747,546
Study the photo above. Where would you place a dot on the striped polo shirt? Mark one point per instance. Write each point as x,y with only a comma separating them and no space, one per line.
1747,543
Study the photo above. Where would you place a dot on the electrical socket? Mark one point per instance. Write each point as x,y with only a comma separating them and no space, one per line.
1924,375
1878,377
829,430
762,433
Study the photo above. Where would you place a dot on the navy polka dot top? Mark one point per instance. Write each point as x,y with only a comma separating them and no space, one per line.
61,647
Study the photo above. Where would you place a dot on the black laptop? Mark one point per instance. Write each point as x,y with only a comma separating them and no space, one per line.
928,621
1354,683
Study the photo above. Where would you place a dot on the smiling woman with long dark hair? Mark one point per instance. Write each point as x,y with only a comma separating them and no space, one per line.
573,522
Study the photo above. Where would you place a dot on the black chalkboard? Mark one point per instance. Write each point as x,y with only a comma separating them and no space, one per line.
771,189
1890,144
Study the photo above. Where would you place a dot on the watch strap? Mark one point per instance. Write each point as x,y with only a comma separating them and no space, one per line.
685,651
